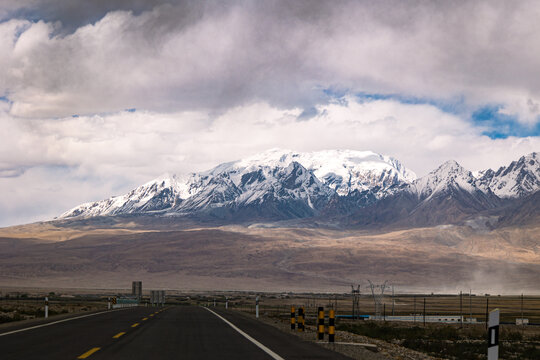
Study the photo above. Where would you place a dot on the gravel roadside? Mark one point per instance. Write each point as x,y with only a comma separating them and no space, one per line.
384,350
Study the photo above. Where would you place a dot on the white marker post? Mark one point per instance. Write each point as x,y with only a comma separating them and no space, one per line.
46,307
257,307
226,303
493,335
109,303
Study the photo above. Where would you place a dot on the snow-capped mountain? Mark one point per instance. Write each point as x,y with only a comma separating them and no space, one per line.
334,184
279,190
272,177
448,175
519,179
448,194
156,195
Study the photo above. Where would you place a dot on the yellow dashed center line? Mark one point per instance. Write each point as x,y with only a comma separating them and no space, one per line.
144,319
135,325
118,335
88,353
151,314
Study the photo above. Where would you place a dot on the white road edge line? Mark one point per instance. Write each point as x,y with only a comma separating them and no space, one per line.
59,321
261,346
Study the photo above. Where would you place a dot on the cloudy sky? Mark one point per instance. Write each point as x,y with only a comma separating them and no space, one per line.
97,97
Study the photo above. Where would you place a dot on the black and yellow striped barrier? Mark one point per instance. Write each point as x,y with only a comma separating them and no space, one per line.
293,318
320,327
301,319
331,326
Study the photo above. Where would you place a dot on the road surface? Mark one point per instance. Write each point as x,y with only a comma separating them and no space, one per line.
180,332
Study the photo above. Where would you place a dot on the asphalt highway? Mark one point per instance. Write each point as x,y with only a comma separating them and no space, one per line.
181,332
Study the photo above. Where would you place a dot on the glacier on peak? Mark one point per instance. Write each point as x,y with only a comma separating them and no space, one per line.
342,170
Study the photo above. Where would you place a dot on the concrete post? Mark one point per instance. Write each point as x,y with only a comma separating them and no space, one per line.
257,307
46,307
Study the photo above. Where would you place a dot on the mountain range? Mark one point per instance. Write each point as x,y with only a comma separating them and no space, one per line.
331,188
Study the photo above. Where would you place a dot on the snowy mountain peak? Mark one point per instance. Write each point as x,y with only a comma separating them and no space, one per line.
519,179
449,174
155,195
449,171
342,170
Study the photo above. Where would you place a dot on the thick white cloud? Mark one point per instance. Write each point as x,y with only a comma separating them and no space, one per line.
214,56
48,166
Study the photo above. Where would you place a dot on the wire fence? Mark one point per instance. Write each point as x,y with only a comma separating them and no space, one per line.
465,306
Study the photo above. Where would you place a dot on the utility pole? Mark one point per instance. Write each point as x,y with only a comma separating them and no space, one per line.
424,312
522,321
355,301
393,300
470,306
414,312
461,307
487,311
352,302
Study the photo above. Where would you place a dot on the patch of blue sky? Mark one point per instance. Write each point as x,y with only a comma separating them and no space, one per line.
455,105
334,92
500,126
495,124
336,95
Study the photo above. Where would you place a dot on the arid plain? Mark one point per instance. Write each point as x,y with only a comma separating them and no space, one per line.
98,254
